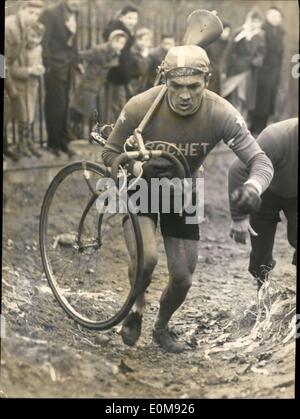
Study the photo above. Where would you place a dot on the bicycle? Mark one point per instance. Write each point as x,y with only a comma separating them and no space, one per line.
71,243
76,236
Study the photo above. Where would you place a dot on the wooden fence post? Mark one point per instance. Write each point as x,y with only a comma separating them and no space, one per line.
41,113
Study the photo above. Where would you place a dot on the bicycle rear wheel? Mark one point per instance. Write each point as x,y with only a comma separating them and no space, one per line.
84,252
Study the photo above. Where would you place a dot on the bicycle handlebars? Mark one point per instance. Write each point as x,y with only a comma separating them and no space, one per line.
146,155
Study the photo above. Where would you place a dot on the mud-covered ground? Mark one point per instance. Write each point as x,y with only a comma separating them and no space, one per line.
240,346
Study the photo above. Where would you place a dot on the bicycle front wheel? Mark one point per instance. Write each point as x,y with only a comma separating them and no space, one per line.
85,252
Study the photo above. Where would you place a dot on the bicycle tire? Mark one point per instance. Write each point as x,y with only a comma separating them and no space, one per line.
122,313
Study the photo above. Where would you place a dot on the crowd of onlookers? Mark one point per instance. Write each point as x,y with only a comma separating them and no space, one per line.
41,44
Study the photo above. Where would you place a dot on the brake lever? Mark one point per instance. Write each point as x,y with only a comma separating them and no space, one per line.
96,138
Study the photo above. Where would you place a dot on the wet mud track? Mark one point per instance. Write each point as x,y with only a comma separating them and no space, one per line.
240,346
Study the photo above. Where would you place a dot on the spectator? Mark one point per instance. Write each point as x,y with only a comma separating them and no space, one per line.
245,56
217,53
15,30
117,92
25,73
140,61
269,73
98,62
61,61
156,56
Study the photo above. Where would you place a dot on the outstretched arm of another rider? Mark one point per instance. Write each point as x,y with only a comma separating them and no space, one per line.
280,143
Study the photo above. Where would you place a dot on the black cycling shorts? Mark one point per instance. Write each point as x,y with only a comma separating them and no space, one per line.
174,224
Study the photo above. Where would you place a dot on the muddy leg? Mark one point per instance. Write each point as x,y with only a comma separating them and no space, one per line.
150,253
182,257
132,325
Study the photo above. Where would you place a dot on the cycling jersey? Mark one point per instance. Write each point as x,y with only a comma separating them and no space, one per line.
195,135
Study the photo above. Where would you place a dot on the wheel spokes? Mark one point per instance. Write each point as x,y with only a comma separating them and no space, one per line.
86,253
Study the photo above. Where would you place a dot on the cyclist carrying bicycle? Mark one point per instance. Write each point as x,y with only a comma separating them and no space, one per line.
195,120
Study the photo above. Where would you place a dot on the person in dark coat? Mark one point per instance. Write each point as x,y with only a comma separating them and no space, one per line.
140,61
217,53
269,73
245,56
117,91
98,61
156,55
61,58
